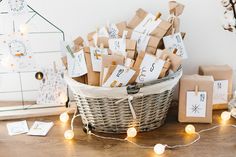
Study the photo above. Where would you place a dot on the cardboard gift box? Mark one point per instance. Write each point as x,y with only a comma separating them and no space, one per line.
160,31
223,85
195,99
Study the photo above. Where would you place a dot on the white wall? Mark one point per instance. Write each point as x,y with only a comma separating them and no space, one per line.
206,41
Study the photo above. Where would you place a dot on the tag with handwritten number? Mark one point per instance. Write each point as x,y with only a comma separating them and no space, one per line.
220,94
96,58
175,41
113,31
142,40
196,104
118,45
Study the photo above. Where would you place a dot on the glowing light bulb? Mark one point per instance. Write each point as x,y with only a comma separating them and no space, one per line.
24,29
69,134
225,115
39,75
159,149
64,117
190,129
131,132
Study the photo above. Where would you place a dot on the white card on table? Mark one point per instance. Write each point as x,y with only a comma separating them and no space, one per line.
150,69
16,128
196,104
77,64
113,31
40,128
120,77
102,32
220,93
96,58
118,45
148,24
142,40
175,41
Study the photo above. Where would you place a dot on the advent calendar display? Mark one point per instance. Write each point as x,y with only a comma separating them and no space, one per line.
195,98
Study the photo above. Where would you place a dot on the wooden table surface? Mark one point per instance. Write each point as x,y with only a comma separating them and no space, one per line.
220,142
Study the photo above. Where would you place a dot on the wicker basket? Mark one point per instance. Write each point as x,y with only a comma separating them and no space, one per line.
114,110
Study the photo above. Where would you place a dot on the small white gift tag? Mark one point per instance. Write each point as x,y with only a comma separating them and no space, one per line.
148,24
102,32
142,40
129,62
77,64
150,69
17,128
40,128
96,58
196,104
120,77
220,93
113,31
118,45
175,41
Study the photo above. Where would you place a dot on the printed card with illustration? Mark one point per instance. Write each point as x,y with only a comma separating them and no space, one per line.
40,128
175,41
142,40
220,93
96,58
148,24
150,68
196,104
16,128
76,64
118,45
119,77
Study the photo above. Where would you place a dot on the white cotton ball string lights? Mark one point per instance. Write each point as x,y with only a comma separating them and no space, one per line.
24,29
190,129
64,117
159,149
131,132
225,116
69,134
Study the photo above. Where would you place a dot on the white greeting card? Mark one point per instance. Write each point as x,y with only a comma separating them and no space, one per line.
220,93
148,24
120,77
150,68
175,41
196,104
96,58
40,128
76,64
118,45
142,40
16,128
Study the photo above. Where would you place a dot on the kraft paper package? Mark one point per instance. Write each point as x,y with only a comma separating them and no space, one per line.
175,9
195,99
223,83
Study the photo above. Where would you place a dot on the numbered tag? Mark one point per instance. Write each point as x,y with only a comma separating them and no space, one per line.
175,41
150,69
96,58
196,104
220,94
118,45
103,32
142,40
148,24
120,77
113,31
77,65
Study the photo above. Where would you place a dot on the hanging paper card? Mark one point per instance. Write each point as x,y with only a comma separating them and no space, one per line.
96,56
120,77
113,31
148,24
103,32
142,40
150,69
175,41
196,104
53,88
118,45
17,7
76,65
220,94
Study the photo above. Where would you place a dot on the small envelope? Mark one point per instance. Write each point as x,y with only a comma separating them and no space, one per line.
17,128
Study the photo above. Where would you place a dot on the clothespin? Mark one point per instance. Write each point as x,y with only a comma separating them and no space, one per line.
158,15
175,51
196,90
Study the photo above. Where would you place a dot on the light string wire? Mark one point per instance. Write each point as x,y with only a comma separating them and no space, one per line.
151,147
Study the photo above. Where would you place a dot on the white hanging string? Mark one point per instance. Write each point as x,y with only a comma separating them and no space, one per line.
151,147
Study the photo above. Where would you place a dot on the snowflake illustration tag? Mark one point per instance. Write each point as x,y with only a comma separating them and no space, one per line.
196,104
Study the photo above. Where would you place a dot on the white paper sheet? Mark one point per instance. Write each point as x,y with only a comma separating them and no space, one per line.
196,104
220,94
16,128
40,128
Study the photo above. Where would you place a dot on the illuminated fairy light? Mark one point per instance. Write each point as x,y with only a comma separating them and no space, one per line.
69,134
64,117
225,116
24,29
159,149
131,132
190,129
